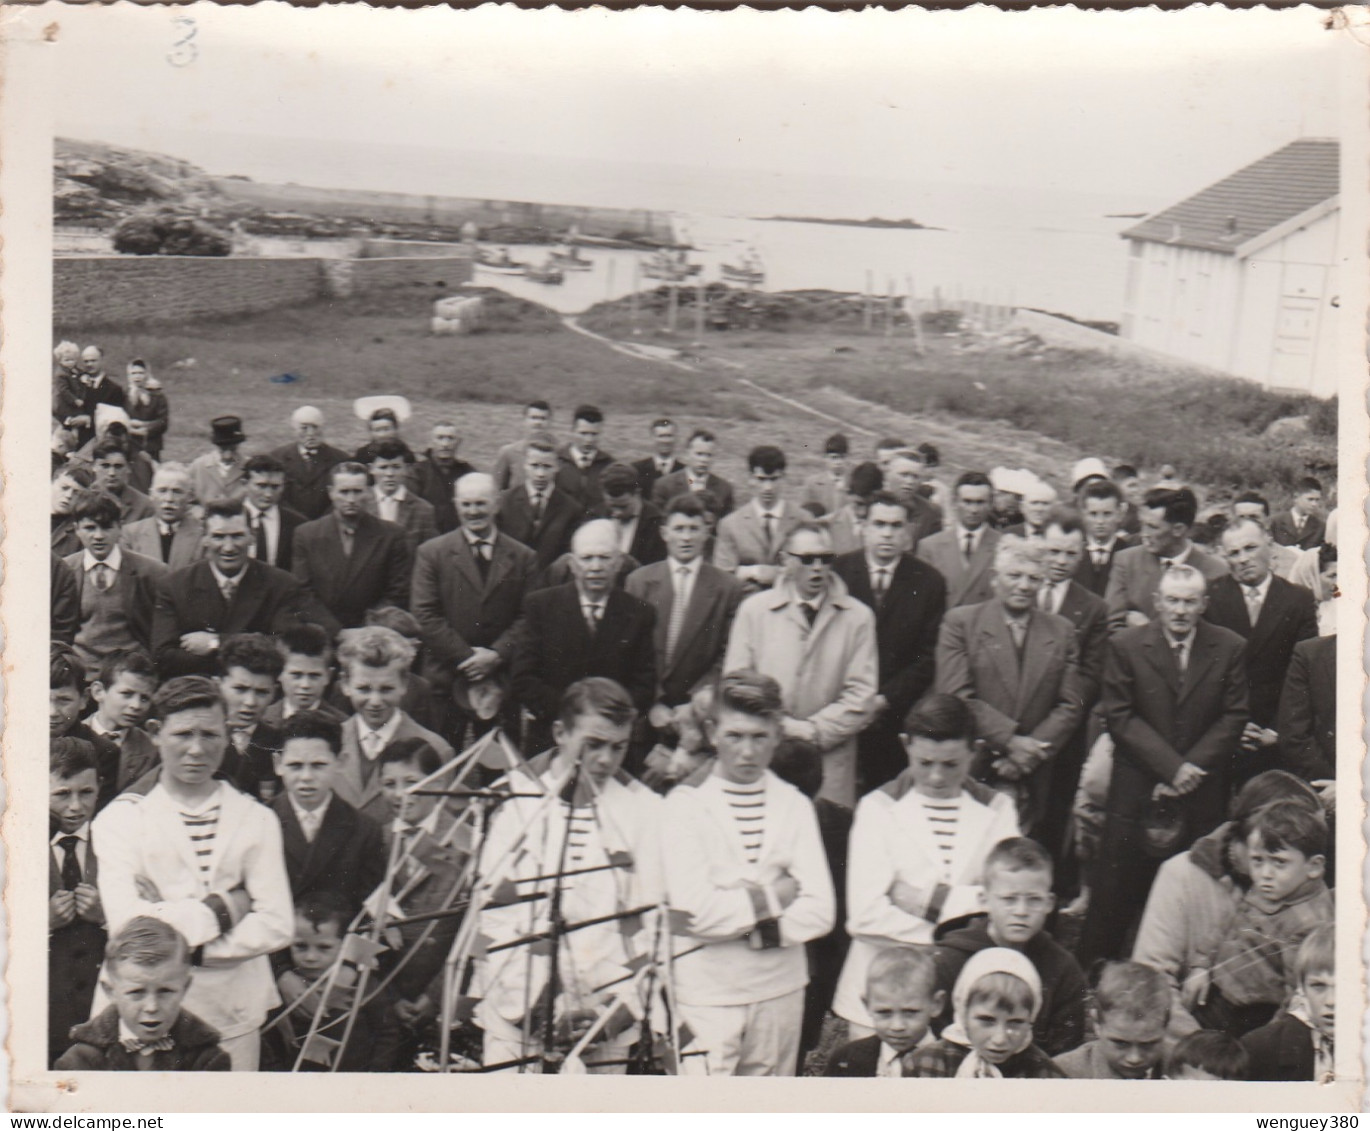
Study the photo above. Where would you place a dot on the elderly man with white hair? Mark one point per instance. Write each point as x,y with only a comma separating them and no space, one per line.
307,463
586,627
1039,497
1018,667
171,534
467,595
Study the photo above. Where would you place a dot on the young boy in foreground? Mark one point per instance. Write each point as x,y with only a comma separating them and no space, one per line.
1132,1010
902,998
144,1028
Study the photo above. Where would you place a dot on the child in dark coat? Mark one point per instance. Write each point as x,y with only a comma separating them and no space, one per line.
902,998
144,1028
1297,1044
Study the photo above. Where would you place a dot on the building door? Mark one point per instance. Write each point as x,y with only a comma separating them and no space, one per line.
1296,326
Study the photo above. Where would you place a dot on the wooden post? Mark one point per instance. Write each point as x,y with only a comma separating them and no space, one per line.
699,310
866,304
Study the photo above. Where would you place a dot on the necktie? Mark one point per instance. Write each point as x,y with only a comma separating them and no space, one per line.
537,507
168,535
1253,603
259,528
228,588
970,545
882,584
906,1062
768,521
309,825
810,613
677,621
71,867
1044,598
592,615
102,577
1100,557
482,554
147,1048
1179,655
1018,630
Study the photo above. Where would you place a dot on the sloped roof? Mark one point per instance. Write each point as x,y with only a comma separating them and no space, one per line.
1251,201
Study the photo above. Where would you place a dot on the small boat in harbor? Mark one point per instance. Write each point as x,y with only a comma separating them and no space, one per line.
500,263
750,272
549,273
570,259
672,266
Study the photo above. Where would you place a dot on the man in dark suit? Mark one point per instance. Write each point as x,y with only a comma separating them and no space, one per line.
1102,508
65,606
329,846
435,476
1019,669
583,629
1302,525
536,512
638,522
908,598
696,476
392,498
171,535
581,462
1064,540
662,461
964,552
467,596
272,525
1307,722
350,560
694,602
1272,616
225,594
307,463
1167,515
1175,701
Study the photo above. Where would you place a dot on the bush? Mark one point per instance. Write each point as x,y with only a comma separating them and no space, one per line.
166,233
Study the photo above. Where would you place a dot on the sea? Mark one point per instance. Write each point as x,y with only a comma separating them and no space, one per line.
1045,244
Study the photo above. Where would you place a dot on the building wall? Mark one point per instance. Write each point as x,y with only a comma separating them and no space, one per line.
1267,317
121,290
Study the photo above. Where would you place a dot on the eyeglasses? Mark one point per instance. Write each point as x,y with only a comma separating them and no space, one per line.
814,559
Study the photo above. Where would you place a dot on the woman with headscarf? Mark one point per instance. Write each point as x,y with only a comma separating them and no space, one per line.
995,1001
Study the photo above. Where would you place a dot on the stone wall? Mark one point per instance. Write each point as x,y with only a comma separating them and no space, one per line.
123,290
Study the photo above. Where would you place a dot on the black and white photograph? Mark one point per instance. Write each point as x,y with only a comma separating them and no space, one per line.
685,544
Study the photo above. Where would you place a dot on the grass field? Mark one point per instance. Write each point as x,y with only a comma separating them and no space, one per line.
980,408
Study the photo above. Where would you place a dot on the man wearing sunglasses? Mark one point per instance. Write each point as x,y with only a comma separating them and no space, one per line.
818,642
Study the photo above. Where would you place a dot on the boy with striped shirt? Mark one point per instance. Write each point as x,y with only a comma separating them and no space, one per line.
748,885
205,859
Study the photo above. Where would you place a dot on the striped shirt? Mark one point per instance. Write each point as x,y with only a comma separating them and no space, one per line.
201,827
580,834
943,818
748,806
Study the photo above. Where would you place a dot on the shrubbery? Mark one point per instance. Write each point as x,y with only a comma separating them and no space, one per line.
168,233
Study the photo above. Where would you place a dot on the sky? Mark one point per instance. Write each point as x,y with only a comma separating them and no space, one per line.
1142,104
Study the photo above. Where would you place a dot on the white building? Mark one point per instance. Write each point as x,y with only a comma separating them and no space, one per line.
1242,276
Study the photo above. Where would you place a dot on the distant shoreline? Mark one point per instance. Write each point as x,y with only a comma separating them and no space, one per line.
873,222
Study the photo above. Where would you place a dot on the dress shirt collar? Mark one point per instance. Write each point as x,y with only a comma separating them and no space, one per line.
473,538
398,495
169,528
1181,558
82,834
386,731
1186,645
266,515
777,512
1263,588
675,568
222,579
314,817
975,536
428,825
105,732
114,561
534,494
1056,594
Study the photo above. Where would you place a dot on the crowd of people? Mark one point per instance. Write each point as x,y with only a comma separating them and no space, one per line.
874,774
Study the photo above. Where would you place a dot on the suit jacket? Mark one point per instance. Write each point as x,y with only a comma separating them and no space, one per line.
581,485
1307,722
820,488
1037,695
647,473
143,537
140,597
346,858
742,537
436,484
376,573
65,608
855,1058
417,517
678,483
358,781
1160,719
75,954
557,648
188,600
1283,530
291,521
459,611
209,479
925,518
133,505
906,625
550,536
698,655
1288,615
306,484
1095,577
1281,1050
647,546
967,582
1135,574
1089,616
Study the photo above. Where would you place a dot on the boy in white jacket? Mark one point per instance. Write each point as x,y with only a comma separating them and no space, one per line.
206,859
746,877
918,847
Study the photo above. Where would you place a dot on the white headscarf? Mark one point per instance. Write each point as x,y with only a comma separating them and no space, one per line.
993,960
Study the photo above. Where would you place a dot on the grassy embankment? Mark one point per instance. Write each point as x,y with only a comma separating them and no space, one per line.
969,392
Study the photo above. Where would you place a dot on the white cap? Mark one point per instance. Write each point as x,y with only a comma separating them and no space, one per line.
1087,468
366,407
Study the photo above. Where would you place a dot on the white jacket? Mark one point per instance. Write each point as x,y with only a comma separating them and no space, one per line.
142,835
707,885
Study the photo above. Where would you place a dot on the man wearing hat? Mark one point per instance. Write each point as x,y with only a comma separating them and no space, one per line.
638,523
1008,487
307,463
1086,471
219,474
